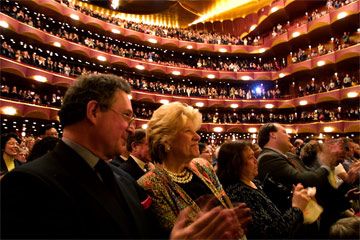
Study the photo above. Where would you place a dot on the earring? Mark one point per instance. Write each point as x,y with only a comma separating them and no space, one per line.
167,148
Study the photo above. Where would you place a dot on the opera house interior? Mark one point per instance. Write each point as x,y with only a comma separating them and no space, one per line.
292,62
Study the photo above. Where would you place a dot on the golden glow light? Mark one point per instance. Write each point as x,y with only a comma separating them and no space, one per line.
57,44
252,130
234,105
352,94
303,102
116,31
199,104
176,73
144,126
211,76
252,27
295,34
269,105
115,4
274,9
74,16
40,78
222,50
320,63
328,129
4,24
288,130
9,111
246,78
101,58
152,40
281,75
218,129
342,15
140,67
164,101
189,47
220,7
262,50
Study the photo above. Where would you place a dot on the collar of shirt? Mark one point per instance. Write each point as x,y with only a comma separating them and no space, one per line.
275,150
88,156
138,162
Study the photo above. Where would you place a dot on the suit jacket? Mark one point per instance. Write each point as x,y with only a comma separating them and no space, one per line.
169,198
60,196
131,167
281,169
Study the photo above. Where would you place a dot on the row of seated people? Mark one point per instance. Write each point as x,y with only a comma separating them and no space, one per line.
135,51
317,13
318,115
200,62
334,44
74,67
206,36
38,57
168,32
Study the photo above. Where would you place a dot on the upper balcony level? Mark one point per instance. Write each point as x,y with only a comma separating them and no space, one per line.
351,52
340,16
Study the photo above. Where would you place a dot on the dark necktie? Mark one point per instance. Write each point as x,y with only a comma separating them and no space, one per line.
106,175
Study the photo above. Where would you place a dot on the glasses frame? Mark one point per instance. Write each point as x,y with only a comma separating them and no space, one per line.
129,117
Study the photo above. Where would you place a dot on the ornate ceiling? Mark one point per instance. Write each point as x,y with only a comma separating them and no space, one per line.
184,12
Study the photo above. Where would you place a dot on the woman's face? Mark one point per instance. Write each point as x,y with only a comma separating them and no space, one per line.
185,144
11,147
250,168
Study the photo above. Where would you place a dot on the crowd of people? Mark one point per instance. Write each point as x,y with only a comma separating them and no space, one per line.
167,190
136,51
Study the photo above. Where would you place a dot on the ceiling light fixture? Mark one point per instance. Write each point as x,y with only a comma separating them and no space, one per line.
75,17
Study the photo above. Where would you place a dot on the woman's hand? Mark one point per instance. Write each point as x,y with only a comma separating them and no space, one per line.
300,197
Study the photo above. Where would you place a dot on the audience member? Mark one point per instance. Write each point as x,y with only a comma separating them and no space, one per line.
9,150
42,147
178,179
237,168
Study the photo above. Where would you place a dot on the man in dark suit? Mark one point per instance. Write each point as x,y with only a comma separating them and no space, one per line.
72,192
274,163
139,161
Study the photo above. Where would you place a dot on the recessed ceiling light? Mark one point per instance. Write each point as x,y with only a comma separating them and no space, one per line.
164,101
245,78
177,73
140,67
303,102
74,16
218,129
101,58
320,63
189,47
116,31
211,76
252,130
9,110
328,129
40,78
281,75
152,40
342,15
295,34
57,44
352,94
234,105
222,50
4,24
199,104
269,105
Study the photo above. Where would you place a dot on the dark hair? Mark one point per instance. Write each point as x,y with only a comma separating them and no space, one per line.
45,128
264,133
202,147
309,152
346,228
98,87
230,160
42,147
6,137
138,137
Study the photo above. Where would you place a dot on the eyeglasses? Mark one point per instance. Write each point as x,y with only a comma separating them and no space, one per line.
129,116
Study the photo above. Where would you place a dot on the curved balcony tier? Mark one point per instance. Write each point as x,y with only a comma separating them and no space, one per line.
269,42
330,58
48,113
26,71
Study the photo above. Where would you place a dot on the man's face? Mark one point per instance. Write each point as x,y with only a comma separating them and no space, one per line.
281,139
114,125
141,151
52,132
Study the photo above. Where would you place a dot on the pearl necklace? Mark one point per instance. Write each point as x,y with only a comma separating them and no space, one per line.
184,177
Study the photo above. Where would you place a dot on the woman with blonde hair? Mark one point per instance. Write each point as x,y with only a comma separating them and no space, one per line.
180,178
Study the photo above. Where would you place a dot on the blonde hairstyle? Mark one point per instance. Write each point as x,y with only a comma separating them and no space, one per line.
165,123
